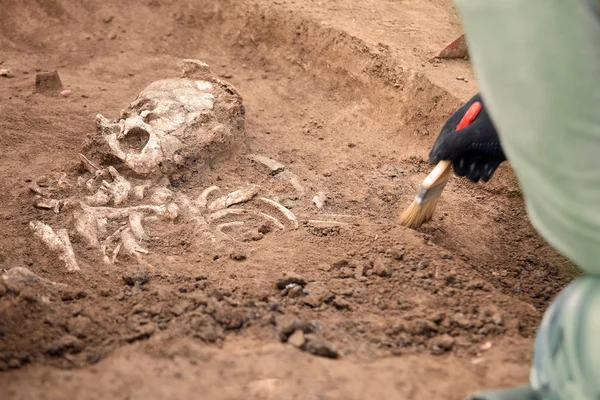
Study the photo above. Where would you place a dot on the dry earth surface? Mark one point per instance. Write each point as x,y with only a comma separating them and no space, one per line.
345,93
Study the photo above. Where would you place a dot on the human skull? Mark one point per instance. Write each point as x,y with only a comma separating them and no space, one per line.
173,121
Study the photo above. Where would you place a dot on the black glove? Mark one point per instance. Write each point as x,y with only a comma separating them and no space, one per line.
475,150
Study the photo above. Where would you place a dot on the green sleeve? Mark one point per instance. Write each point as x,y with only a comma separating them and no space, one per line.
538,66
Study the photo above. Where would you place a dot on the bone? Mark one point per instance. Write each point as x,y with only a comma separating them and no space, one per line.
42,191
161,195
286,212
63,182
239,211
100,198
48,204
319,200
192,213
233,198
273,165
139,191
115,253
119,188
57,242
108,242
87,164
87,227
135,222
130,245
203,199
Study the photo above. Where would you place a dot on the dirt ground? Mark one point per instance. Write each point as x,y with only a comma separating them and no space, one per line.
346,93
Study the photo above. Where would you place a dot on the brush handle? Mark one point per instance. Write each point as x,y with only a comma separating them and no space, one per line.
441,171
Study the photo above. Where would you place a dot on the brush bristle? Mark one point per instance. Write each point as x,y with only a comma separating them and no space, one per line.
417,214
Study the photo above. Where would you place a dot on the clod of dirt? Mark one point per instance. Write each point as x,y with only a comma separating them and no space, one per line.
297,339
341,304
141,332
79,326
381,267
290,325
397,253
319,347
237,255
137,274
442,344
317,295
288,279
66,344
48,83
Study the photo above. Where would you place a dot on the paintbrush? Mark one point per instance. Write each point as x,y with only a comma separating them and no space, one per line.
423,206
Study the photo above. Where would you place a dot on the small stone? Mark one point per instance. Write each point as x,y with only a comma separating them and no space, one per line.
446,257
288,279
48,83
318,296
296,339
226,75
442,343
64,93
295,291
486,346
108,19
319,347
136,275
460,78
381,267
5,72
113,36
351,145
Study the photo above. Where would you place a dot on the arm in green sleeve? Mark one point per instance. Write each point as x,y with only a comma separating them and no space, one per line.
538,66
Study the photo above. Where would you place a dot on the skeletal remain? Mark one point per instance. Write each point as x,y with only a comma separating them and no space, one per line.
57,242
135,222
48,204
203,199
119,188
100,198
192,213
130,245
273,165
240,211
87,164
286,212
233,198
42,191
63,182
138,191
161,195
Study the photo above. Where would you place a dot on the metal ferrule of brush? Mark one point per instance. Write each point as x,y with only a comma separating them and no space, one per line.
425,195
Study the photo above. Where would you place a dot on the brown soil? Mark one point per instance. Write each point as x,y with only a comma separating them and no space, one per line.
344,92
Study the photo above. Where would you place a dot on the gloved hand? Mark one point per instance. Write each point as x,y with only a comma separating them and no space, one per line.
475,150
